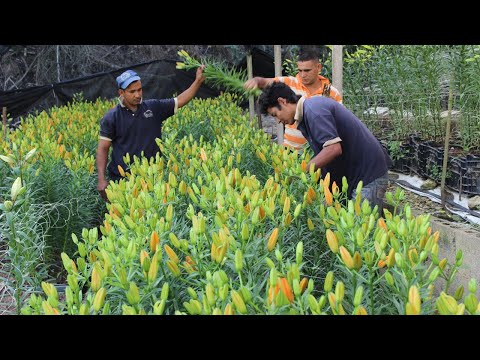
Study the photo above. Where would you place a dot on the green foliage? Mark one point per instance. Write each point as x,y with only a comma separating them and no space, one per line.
412,81
189,233
219,74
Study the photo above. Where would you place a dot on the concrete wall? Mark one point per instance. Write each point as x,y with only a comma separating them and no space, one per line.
455,236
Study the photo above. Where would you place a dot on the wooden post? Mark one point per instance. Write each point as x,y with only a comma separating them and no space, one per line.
447,140
4,115
337,68
277,51
251,101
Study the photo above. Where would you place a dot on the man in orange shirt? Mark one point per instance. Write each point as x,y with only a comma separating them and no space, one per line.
307,83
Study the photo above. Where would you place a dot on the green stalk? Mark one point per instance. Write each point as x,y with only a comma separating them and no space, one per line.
218,74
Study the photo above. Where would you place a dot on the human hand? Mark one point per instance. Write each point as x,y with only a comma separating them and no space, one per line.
102,185
251,84
199,75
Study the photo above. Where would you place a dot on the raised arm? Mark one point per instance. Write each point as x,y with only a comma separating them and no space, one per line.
257,82
188,94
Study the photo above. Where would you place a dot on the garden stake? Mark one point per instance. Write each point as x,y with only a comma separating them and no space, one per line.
447,138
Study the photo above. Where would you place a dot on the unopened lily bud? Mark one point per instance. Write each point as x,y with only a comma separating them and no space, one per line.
459,293
413,256
72,282
128,310
152,271
48,309
299,253
359,237
423,255
296,287
272,240
361,311
310,285
278,255
69,296
238,260
288,219
16,188
143,256
229,310
391,258
146,262
303,285
210,294
441,306
471,303
286,205
238,302
182,187
357,260
96,278
246,295
414,301
298,208
171,254
164,293
313,304
327,286
223,292
174,240
83,309
459,258
399,260
366,208
99,299
332,241
472,285
173,267
442,264
244,232
159,307
339,291
196,307
81,249
346,257
358,296
389,278
273,277
435,249
133,296
450,303
8,205
368,256
310,224
270,263
122,277
217,311
223,276
192,293
434,274
183,245
333,302
384,240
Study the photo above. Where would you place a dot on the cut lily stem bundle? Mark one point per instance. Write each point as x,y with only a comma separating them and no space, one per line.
218,74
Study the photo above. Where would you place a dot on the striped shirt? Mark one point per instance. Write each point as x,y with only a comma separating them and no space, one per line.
294,137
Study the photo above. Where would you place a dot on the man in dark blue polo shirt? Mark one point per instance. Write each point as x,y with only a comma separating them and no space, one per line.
342,144
133,125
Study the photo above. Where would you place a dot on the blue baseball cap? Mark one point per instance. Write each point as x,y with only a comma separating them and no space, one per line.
126,79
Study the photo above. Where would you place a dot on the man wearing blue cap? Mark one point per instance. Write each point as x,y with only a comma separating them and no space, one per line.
133,125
